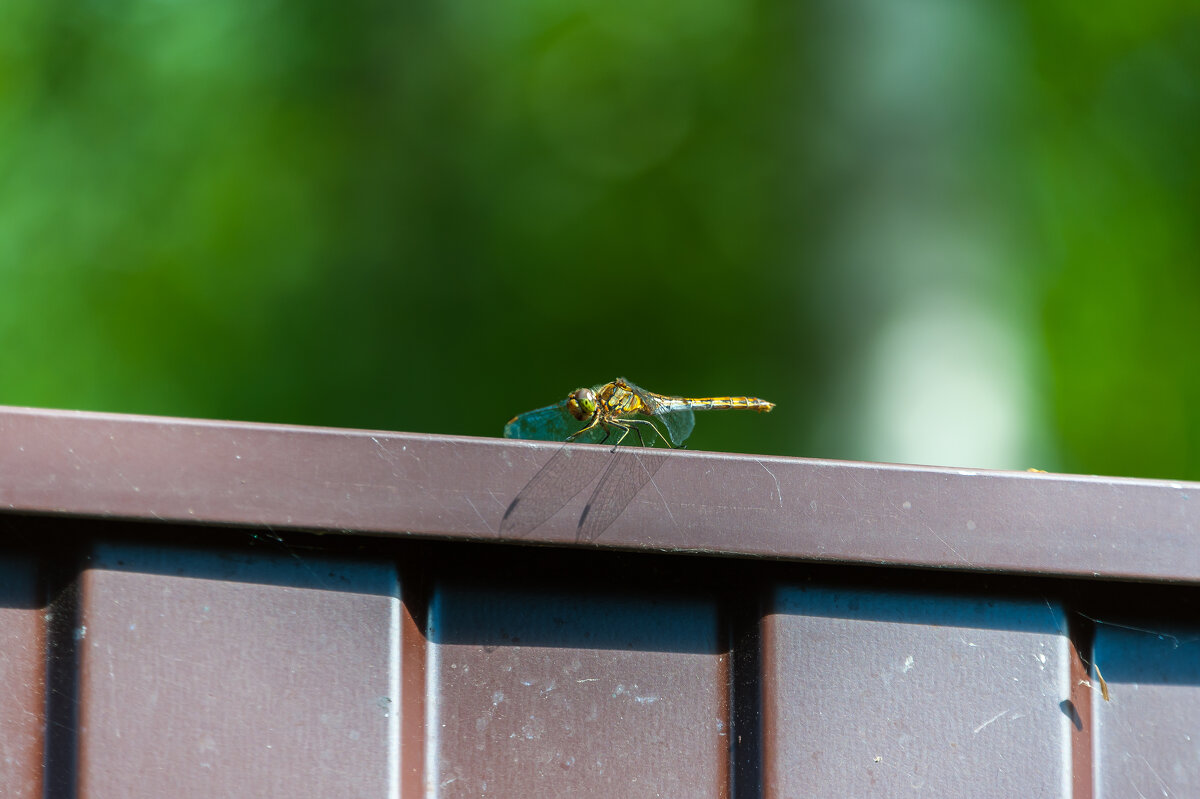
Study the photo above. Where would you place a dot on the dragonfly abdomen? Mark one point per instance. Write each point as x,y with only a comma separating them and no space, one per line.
716,403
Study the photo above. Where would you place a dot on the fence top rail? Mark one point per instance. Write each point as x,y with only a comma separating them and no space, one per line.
166,470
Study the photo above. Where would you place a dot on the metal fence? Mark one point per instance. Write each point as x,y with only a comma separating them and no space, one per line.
194,608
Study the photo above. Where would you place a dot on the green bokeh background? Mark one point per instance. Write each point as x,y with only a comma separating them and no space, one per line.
930,231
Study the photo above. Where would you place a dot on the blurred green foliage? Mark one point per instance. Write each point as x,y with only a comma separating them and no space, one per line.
928,231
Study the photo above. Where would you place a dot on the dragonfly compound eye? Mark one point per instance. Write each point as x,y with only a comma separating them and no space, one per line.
581,403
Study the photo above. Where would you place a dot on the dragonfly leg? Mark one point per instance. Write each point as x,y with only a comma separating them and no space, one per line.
638,431
589,426
653,427
624,428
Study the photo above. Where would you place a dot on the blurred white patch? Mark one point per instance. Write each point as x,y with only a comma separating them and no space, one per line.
947,384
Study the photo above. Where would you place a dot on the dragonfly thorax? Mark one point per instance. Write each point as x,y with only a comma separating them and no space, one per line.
581,403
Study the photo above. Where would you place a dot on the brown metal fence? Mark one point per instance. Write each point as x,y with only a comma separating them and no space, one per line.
205,609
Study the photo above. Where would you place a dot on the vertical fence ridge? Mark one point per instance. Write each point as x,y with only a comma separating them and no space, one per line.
63,633
1081,634
744,617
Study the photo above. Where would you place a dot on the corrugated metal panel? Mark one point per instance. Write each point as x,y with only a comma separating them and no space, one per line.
22,676
871,693
218,673
175,657
1148,735
540,693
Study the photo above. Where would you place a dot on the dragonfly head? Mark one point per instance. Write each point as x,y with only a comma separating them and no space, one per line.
582,404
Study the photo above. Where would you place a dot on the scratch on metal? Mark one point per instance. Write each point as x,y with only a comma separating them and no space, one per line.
480,515
989,721
778,490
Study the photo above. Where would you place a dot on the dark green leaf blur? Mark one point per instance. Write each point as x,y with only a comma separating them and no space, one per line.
950,233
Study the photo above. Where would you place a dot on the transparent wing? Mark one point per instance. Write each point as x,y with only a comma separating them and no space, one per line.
628,471
558,482
679,422
551,423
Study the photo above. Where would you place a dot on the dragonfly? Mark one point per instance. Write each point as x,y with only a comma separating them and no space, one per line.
619,408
